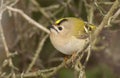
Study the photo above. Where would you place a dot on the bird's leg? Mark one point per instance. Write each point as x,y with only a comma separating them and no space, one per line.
73,56
65,60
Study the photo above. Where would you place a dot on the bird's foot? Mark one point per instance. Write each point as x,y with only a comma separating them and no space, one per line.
66,58
73,57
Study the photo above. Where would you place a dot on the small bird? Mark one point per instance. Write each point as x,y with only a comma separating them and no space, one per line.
69,35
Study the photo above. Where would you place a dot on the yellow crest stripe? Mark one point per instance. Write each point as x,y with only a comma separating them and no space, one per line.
58,22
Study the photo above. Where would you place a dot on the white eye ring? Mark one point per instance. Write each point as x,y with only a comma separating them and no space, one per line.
60,28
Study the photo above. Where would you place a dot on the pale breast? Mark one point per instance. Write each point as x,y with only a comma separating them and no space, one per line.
67,45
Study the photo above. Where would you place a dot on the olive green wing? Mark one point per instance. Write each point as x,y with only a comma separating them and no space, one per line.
88,29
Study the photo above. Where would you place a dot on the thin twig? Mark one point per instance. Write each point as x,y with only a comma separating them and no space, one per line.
30,20
79,68
97,32
40,46
106,3
4,40
106,18
99,8
46,15
54,69
91,14
3,8
116,15
8,54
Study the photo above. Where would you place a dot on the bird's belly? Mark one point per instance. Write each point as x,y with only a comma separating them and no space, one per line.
72,46
68,46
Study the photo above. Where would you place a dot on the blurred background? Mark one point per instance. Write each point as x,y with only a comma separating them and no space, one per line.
24,38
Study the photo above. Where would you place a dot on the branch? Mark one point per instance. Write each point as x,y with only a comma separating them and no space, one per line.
40,46
30,20
106,18
116,15
50,72
46,15
7,52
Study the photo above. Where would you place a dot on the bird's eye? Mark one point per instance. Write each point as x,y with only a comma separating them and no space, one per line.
60,28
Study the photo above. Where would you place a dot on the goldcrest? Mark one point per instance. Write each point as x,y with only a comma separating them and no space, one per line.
68,35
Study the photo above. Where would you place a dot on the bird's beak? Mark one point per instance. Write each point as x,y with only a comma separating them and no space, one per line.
52,27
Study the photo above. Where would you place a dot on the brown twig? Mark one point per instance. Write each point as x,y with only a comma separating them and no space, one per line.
97,32
106,18
116,15
52,71
46,15
30,20
40,46
8,54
